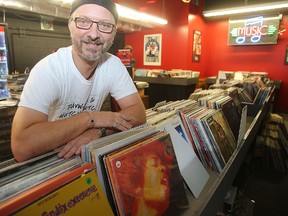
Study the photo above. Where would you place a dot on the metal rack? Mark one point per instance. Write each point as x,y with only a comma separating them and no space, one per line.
218,184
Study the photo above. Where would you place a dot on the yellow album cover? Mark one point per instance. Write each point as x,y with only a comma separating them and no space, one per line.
83,196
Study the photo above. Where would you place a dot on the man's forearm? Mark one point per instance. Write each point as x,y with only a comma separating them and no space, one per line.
137,112
42,137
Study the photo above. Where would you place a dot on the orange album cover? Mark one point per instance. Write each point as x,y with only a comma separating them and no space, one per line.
146,179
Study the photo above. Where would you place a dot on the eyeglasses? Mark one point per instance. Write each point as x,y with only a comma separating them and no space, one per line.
85,23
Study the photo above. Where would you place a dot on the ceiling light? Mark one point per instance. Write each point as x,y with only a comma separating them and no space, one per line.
131,14
68,1
246,9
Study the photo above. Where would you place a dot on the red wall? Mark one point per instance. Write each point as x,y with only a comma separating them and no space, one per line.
267,58
174,39
216,54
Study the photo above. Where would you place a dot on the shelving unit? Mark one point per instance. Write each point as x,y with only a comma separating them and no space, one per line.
6,117
170,89
3,61
212,196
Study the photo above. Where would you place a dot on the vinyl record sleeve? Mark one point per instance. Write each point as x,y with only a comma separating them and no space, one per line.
232,116
147,179
191,168
83,196
221,132
105,168
21,185
37,192
206,143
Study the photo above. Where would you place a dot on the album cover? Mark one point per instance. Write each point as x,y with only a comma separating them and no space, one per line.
197,134
221,132
213,155
82,196
191,168
33,179
22,200
147,179
104,168
232,116
183,115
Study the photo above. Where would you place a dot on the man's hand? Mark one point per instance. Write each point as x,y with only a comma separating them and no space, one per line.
115,120
75,145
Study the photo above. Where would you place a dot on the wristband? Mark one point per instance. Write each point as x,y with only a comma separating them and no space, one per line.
103,132
91,120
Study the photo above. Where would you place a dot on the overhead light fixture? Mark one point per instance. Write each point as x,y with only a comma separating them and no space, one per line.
186,1
246,9
134,16
130,14
68,1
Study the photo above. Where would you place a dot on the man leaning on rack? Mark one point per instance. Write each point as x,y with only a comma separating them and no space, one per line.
61,100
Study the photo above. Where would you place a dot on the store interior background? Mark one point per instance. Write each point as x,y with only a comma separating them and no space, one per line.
177,38
28,43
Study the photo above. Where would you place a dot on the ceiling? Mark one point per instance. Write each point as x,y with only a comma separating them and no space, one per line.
148,6
152,6
220,4
60,10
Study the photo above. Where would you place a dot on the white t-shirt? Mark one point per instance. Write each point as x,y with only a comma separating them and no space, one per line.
56,87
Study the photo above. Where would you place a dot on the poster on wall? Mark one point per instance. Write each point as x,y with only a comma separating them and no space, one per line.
196,51
47,23
152,49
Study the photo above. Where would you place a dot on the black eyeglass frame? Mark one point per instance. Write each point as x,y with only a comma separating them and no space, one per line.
97,23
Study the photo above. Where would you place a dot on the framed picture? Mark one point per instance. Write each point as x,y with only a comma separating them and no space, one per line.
47,23
152,49
196,51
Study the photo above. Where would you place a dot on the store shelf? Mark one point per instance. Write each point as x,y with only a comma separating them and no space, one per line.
213,194
169,89
168,81
6,117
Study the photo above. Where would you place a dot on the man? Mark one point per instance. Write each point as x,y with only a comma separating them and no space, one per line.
61,100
